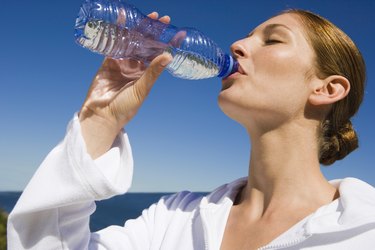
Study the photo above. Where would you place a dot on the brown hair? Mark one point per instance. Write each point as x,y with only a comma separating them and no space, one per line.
336,54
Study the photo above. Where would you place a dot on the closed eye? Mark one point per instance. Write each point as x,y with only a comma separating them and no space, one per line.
272,41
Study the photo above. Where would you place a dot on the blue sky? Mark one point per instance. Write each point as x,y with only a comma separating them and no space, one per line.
180,138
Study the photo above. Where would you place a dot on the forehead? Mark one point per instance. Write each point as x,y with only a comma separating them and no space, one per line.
291,21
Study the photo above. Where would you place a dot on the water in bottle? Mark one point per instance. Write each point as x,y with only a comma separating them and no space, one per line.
119,30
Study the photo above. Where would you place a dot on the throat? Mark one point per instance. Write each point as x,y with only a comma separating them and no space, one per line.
254,225
284,197
242,234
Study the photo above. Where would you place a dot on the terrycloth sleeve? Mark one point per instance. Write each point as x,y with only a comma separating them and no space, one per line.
54,209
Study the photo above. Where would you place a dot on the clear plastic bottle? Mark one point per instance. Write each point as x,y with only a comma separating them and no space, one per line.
117,29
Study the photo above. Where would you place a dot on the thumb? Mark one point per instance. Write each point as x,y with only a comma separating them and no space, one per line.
153,71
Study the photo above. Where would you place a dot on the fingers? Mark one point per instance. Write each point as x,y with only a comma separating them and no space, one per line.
153,15
121,18
155,68
163,19
151,74
178,38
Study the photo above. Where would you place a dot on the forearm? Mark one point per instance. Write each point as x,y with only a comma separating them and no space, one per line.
98,133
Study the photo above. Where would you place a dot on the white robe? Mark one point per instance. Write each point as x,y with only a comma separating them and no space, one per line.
53,211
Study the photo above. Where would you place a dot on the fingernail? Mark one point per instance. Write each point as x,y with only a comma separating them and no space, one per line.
166,60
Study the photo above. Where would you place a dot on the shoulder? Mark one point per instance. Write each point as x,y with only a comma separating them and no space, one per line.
184,200
357,199
355,189
187,200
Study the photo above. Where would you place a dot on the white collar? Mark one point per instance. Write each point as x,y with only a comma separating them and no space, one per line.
354,207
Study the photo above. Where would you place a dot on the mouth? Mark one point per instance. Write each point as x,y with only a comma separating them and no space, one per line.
228,81
239,71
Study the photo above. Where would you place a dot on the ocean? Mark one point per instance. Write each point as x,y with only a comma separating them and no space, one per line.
114,211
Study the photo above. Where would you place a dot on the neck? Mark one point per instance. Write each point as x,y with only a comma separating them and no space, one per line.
284,172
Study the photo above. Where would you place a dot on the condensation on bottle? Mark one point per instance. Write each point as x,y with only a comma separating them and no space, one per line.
119,30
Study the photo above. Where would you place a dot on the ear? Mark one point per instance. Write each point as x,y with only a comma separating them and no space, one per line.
329,90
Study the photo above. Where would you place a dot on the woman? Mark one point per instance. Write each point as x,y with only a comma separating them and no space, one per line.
300,81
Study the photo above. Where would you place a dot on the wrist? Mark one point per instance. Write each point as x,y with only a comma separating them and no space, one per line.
98,132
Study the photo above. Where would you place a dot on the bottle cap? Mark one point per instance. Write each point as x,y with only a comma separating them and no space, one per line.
230,66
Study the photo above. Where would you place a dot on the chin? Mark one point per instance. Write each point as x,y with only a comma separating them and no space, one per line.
229,106
229,94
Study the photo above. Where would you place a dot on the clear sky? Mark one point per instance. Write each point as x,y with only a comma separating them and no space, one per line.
180,138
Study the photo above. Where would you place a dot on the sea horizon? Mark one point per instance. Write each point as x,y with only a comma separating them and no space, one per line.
114,211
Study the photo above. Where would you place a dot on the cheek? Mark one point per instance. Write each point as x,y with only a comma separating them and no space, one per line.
280,73
276,86
278,65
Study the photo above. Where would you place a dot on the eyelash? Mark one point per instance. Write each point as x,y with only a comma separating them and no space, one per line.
271,41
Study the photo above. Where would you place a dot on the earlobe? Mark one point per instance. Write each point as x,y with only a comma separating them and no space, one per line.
330,90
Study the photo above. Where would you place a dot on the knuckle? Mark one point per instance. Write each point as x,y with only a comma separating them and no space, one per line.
139,94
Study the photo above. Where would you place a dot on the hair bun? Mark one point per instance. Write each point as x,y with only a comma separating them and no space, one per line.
337,144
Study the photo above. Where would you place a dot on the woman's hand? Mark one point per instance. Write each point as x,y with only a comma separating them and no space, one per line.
117,92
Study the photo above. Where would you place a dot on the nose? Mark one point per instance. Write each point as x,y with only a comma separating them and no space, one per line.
238,50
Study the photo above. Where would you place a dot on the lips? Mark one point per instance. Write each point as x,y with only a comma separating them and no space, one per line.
239,71
229,80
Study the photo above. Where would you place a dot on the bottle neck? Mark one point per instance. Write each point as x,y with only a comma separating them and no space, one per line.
230,65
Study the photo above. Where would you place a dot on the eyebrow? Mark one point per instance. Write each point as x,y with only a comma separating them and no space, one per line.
270,27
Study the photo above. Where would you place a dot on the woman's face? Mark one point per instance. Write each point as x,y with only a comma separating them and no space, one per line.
272,84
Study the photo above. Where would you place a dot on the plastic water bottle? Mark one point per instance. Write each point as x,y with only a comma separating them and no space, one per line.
117,29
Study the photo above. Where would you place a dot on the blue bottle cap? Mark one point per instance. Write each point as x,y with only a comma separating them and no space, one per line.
230,66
